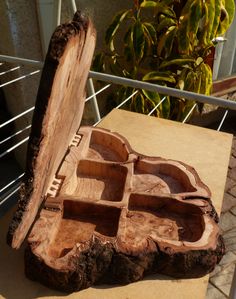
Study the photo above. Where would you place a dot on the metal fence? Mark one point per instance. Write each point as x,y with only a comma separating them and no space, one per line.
12,186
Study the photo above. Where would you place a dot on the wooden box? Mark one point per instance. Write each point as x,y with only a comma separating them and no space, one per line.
101,212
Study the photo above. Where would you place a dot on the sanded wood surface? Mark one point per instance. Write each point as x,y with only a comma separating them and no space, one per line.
58,112
206,150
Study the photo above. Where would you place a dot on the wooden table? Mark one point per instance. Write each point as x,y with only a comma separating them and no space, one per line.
206,150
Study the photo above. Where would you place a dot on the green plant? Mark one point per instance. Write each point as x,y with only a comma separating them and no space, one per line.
165,42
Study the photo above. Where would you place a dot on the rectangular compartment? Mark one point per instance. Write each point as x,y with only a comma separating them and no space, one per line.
107,146
100,181
80,220
165,218
153,177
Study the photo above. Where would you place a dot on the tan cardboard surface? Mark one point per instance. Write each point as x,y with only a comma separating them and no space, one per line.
206,150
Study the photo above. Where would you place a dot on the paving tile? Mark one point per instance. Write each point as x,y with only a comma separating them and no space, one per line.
214,293
232,173
227,221
232,191
223,279
227,259
234,145
234,140
228,202
230,240
230,183
234,151
217,269
233,210
232,162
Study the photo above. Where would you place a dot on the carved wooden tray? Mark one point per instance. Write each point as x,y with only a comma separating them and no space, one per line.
108,214
112,215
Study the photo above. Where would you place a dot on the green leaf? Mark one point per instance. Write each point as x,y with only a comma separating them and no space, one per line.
152,96
189,81
138,103
204,78
183,33
138,40
186,109
115,69
159,76
123,93
127,35
112,29
147,48
151,31
226,17
181,78
99,62
211,17
209,79
148,4
167,11
159,7
195,16
203,32
128,45
128,53
180,84
151,100
165,107
197,83
178,61
230,7
199,60
216,19
165,24
166,41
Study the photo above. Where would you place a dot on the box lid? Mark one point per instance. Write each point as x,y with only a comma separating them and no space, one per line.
57,116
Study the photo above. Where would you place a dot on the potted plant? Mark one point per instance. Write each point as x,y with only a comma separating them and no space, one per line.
166,42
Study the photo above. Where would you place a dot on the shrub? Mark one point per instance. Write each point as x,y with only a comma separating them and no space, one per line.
165,42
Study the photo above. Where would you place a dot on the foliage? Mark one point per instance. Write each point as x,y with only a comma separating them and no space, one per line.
165,42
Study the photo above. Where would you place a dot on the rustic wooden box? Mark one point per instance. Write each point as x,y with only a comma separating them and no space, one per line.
101,212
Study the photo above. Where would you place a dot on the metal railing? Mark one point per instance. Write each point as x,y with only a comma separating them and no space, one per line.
92,97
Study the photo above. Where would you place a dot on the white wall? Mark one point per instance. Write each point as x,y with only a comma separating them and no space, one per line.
20,37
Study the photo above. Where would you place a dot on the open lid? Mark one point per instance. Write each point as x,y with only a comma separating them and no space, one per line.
57,116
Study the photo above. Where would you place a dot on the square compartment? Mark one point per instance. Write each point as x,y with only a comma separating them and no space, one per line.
107,146
82,220
100,181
